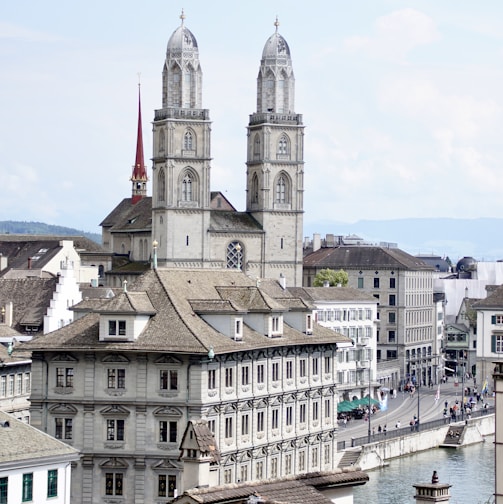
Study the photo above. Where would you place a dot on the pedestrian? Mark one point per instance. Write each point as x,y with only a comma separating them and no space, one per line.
379,429
345,422
373,431
446,404
398,424
384,429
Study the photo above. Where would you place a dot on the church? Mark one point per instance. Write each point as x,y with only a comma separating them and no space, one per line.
187,224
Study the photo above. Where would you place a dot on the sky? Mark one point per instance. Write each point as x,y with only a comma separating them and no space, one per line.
402,102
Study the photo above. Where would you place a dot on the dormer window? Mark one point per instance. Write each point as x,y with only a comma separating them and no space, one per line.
238,329
276,325
117,328
309,324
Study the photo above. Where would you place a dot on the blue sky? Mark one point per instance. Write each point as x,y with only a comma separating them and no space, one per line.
402,102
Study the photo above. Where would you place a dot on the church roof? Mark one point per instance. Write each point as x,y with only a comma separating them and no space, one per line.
364,257
181,40
127,217
175,327
239,222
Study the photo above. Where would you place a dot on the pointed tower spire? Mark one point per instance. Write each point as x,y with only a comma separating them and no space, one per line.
139,177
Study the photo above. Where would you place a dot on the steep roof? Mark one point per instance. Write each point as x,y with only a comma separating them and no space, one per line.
239,222
30,299
364,257
175,327
22,442
128,217
493,301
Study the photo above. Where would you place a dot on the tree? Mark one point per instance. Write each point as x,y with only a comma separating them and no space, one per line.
332,277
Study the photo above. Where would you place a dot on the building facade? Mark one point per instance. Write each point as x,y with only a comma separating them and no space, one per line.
248,366
184,220
403,287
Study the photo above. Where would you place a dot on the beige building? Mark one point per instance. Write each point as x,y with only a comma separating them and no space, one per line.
207,348
192,226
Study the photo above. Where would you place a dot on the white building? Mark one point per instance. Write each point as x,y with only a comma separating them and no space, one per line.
34,467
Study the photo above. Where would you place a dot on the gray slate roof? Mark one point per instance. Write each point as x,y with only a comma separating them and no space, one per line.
302,489
126,217
175,327
345,294
493,301
20,442
364,257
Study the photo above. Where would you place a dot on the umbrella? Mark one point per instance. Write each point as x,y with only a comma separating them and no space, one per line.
345,407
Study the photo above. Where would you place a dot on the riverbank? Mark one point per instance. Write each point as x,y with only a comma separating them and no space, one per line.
378,453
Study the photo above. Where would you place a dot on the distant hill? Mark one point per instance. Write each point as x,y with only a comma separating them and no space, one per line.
39,228
456,238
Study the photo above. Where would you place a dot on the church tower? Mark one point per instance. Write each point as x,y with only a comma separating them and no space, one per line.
275,163
181,158
139,177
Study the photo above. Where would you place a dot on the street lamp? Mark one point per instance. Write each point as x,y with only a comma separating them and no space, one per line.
370,376
155,244
238,253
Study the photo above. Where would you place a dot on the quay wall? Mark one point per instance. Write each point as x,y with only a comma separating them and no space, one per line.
374,455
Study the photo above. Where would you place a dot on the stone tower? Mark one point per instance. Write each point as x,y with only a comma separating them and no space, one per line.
427,493
275,163
181,158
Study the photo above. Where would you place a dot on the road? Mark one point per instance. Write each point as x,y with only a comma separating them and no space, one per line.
404,407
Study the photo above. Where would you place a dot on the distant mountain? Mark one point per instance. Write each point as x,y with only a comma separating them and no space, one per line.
456,238
39,228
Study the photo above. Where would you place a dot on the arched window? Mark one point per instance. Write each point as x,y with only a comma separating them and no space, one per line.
187,187
188,140
161,186
283,145
256,147
235,254
281,189
254,189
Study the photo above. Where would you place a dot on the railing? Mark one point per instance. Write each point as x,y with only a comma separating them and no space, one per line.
403,431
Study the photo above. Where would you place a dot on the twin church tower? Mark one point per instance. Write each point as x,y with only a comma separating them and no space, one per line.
193,227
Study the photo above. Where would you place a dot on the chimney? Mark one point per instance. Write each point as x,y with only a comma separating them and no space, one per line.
316,242
29,263
282,281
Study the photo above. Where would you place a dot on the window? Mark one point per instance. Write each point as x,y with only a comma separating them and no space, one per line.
211,426
289,370
245,427
113,483
259,470
275,371
116,378
275,418
283,145
281,186
391,317
63,428
497,319
3,386
117,328
302,368
392,283
391,336
315,366
228,427
162,489
314,457
392,300
327,454
19,384
228,377
168,379
27,487
64,377
256,147
187,141
161,189
289,415
497,343
376,282
327,408
275,324
11,385
260,421
244,472
168,431
302,413
316,407
288,464
245,375
254,189
235,255
187,188
4,482
52,483
27,383
228,476
391,354
360,282
115,430
328,366
212,379
260,373
274,467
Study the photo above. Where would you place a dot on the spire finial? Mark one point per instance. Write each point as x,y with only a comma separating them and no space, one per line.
276,24
139,79
182,16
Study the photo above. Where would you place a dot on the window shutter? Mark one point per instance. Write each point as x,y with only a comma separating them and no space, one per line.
493,343
493,319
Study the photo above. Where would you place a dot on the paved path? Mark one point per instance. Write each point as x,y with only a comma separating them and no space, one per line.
405,406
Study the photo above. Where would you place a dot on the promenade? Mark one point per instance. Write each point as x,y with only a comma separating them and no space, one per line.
421,404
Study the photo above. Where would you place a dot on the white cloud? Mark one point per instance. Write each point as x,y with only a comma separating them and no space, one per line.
395,35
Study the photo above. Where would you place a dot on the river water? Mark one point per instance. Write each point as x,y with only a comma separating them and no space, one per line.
470,471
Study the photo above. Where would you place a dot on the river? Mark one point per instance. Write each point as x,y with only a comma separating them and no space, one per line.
470,471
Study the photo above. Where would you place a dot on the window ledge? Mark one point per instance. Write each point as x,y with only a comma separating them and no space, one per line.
63,390
115,392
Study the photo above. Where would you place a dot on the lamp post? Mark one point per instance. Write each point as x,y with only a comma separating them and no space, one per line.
370,377
418,386
462,387
238,253
155,244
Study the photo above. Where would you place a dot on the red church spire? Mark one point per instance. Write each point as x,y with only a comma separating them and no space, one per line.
139,177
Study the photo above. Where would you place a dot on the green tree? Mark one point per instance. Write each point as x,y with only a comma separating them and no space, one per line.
332,277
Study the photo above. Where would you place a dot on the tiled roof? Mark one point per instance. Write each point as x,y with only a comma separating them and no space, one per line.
128,302
493,301
127,217
176,327
364,257
17,355
30,298
21,442
205,438
303,489
241,222
346,294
